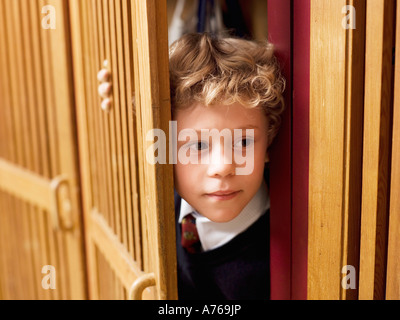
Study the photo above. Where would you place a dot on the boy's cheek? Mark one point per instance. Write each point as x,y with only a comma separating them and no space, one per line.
177,176
184,176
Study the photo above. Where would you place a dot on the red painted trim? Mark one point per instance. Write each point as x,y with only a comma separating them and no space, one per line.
279,33
300,156
289,31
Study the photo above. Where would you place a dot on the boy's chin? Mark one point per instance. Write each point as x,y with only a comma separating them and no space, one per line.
222,216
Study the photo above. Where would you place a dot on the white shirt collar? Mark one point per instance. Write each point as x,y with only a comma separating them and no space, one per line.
215,234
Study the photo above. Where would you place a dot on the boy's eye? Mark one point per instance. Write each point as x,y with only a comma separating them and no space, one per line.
244,143
198,146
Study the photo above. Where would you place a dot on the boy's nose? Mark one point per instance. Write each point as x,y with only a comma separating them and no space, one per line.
220,163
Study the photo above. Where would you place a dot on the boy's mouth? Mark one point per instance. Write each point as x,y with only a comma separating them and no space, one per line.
223,195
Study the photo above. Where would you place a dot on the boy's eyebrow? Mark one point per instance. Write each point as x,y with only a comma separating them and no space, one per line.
249,126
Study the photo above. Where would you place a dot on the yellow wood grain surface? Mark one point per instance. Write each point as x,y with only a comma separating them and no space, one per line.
376,147
336,103
132,198
393,264
39,130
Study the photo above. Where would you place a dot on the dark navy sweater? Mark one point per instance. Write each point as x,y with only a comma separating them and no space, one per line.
238,269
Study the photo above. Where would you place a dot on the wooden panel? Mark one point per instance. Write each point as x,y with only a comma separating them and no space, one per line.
376,152
123,236
153,111
126,270
336,101
26,185
39,131
393,263
353,118
110,288
78,34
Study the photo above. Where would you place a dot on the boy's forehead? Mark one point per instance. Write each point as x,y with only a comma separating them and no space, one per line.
198,116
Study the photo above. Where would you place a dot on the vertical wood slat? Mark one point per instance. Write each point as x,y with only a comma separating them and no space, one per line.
138,13
8,152
39,90
393,262
109,118
18,210
7,279
376,150
38,214
38,221
35,99
114,118
91,98
8,148
116,114
134,141
99,115
105,203
139,230
10,279
104,117
19,123
122,124
336,103
3,154
111,115
326,106
152,107
353,145
3,240
12,274
76,16
52,137
94,113
146,265
133,224
91,193
16,75
60,62
99,131
167,248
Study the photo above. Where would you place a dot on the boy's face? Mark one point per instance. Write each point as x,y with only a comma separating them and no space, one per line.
202,185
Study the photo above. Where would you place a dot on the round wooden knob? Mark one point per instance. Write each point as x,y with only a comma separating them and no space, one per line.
106,104
105,89
103,75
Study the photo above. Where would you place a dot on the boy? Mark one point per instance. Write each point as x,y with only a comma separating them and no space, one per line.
222,217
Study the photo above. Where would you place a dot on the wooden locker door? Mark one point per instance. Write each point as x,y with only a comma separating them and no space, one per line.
378,110
351,147
128,202
40,220
335,148
393,262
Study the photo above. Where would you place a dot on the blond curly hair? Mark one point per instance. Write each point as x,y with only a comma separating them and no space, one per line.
210,69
